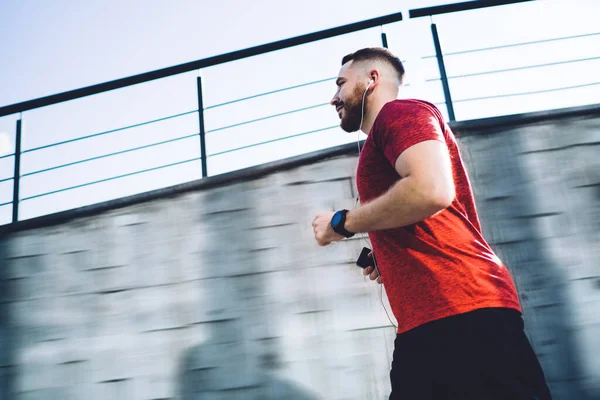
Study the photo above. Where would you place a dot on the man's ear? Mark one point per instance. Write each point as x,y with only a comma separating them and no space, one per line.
374,78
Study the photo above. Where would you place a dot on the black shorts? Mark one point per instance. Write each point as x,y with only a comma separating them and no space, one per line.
483,355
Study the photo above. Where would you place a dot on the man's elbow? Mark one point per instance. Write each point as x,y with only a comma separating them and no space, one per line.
442,197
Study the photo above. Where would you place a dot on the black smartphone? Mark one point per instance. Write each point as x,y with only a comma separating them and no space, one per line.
364,260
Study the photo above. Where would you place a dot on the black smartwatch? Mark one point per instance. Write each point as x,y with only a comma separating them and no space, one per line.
337,223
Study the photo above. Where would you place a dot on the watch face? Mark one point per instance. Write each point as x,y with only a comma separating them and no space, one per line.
337,217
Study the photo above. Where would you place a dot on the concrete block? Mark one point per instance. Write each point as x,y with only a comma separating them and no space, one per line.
161,353
25,266
74,374
40,320
589,338
190,267
221,367
24,244
116,389
154,387
278,388
125,218
187,302
10,290
550,226
110,279
112,314
43,394
147,272
73,238
545,168
584,209
111,359
314,375
551,342
112,254
81,391
222,262
67,269
7,377
272,236
217,300
539,137
506,231
7,339
34,287
584,295
155,308
227,200
36,376
335,168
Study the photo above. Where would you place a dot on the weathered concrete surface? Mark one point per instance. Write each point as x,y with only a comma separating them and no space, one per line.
538,194
221,293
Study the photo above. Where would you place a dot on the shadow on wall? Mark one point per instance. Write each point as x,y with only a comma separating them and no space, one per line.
507,196
239,357
226,373
7,356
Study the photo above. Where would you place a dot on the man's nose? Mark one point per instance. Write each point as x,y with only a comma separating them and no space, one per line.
334,100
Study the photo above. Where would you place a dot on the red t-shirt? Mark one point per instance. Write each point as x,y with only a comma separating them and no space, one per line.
441,266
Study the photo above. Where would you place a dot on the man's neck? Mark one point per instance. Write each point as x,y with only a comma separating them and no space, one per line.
374,109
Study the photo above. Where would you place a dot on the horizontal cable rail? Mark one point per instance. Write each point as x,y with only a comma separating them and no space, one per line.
527,93
515,45
275,91
267,93
200,110
497,71
274,140
199,64
267,117
110,155
112,178
107,132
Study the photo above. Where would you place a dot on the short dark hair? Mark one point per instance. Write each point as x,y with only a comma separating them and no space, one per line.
376,54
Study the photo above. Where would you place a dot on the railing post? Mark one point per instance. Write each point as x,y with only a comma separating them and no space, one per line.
443,76
384,40
201,125
17,175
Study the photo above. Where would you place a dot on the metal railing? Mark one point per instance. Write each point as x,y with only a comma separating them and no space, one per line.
443,77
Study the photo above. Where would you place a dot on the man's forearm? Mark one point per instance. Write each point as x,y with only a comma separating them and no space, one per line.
405,203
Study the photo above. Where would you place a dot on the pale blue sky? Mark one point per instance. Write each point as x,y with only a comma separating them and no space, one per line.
49,47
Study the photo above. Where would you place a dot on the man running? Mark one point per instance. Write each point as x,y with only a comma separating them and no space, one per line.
460,331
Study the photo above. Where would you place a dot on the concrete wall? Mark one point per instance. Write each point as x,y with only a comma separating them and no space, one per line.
538,193
216,290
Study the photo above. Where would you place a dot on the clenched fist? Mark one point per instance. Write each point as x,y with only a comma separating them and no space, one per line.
324,233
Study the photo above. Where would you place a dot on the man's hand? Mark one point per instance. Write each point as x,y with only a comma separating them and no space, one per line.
372,272
324,233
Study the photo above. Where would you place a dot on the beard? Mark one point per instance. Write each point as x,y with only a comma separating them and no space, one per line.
352,117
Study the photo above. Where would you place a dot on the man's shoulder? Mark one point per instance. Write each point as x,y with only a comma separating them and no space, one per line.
406,109
409,105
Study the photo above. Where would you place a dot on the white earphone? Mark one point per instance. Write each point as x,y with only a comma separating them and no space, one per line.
363,107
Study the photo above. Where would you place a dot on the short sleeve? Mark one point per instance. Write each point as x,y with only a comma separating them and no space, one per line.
403,124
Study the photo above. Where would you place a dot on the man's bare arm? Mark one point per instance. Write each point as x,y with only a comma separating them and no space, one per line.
426,188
